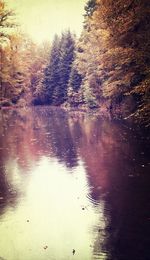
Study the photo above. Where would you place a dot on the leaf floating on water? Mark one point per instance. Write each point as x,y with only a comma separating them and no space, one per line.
131,175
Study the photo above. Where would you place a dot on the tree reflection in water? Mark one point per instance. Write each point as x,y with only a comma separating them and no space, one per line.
115,162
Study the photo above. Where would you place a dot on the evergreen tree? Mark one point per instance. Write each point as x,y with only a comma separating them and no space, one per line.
75,80
58,70
66,58
52,75
90,7
74,96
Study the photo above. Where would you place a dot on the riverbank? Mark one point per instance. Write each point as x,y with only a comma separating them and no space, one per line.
104,111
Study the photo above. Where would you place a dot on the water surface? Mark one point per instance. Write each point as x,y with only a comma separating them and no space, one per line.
72,186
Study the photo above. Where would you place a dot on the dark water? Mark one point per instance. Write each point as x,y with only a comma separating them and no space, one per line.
72,187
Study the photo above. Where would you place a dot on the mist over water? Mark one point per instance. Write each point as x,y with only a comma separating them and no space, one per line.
72,186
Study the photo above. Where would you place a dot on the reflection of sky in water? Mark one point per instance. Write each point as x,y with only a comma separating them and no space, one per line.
57,204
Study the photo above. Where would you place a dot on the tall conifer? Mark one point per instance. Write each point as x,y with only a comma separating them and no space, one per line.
51,80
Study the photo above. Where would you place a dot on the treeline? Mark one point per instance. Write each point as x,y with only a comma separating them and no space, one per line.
107,68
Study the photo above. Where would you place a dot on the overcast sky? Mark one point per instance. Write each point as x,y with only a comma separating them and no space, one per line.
43,18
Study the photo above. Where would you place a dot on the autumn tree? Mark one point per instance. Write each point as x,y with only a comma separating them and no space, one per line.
6,49
6,19
113,57
125,64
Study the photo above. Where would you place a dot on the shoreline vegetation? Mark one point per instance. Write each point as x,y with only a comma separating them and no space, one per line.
106,70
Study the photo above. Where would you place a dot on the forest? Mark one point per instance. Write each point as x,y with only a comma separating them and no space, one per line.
106,69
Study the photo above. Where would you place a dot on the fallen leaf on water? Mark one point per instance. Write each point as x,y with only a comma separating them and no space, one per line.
131,175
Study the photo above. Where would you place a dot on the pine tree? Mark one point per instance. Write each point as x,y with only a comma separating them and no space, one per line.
66,58
74,96
90,7
75,80
58,70
52,75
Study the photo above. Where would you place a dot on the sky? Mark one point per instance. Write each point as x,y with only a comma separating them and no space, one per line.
41,19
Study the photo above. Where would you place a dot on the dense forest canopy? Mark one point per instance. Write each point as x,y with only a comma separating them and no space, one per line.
107,68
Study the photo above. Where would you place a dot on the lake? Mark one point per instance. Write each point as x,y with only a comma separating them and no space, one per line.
72,186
